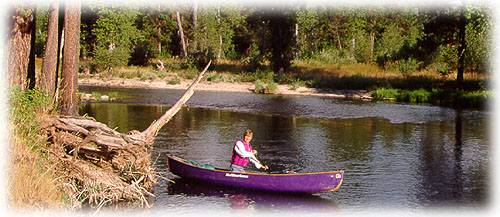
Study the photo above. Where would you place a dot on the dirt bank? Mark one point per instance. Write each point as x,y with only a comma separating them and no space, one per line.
242,87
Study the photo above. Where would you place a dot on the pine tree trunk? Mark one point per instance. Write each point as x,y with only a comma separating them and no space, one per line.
18,45
372,44
195,15
159,40
31,62
219,52
296,41
461,51
158,31
181,33
353,43
49,66
68,104
338,38
60,39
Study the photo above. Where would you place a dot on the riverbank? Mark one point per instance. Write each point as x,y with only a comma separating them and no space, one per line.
204,85
351,81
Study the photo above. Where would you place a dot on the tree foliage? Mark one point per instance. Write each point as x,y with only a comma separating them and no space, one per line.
116,36
387,35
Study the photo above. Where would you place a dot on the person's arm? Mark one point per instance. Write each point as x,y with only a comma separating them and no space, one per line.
256,162
240,150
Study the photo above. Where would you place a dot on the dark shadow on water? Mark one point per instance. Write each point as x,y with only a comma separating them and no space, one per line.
240,199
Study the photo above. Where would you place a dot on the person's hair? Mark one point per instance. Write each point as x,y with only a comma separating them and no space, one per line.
248,133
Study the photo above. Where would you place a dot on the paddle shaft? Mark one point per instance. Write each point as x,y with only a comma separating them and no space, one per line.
261,162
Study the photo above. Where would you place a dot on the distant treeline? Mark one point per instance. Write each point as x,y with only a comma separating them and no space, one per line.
408,38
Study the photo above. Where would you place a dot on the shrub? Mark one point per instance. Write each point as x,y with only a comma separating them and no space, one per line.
23,107
213,76
383,93
296,83
270,88
106,60
328,55
442,60
405,66
418,96
254,60
476,99
259,87
175,80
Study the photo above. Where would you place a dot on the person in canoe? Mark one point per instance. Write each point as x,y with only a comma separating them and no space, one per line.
243,153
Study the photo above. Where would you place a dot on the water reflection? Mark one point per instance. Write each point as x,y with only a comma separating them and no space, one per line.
439,159
241,199
304,106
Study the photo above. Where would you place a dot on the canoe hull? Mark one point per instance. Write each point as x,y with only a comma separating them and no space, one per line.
292,183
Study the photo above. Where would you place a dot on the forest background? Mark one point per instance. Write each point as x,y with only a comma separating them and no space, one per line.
419,53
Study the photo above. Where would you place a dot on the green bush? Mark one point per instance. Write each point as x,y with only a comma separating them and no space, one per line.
270,88
405,66
107,60
175,80
476,99
383,93
254,60
23,107
418,96
259,87
213,76
328,55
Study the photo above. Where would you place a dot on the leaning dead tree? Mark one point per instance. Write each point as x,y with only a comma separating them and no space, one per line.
100,165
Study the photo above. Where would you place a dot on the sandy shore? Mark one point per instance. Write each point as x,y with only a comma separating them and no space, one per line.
220,87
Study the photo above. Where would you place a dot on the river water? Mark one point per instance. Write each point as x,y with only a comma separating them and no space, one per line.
395,156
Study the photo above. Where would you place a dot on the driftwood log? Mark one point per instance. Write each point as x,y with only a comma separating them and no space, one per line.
98,165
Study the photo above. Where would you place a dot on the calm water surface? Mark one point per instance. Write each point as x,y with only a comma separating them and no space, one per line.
395,156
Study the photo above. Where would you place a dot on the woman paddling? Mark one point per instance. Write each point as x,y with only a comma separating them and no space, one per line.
243,153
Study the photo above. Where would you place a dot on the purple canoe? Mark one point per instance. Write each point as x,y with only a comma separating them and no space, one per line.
290,183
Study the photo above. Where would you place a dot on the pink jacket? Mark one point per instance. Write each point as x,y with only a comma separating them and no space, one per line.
236,159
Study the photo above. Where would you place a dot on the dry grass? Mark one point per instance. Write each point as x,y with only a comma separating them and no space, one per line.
44,176
31,185
316,74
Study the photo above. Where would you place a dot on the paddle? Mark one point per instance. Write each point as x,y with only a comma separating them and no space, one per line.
267,170
261,162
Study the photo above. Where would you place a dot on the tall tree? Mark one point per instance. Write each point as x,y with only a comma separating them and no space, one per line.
157,27
116,36
281,40
49,65
31,62
461,48
181,34
68,104
216,29
307,19
18,47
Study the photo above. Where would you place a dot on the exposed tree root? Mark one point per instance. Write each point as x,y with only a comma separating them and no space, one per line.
99,165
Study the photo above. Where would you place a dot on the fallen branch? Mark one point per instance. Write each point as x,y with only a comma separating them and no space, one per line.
153,129
101,165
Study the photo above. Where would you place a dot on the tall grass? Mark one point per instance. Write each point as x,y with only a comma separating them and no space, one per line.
27,109
328,73
474,99
30,183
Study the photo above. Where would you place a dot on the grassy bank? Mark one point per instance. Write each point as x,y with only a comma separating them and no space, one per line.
31,182
472,99
434,87
45,172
